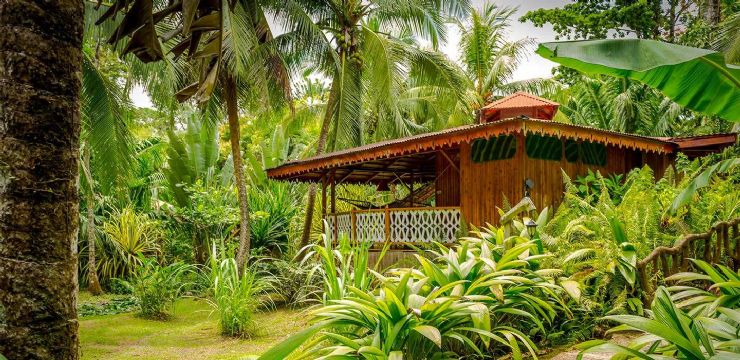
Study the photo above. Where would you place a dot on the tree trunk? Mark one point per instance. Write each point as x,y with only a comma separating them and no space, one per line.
40,82
241,187
320,147
93,284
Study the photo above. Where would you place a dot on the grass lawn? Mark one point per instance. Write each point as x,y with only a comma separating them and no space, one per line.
192,333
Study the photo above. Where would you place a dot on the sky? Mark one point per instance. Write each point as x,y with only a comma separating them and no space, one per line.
533,67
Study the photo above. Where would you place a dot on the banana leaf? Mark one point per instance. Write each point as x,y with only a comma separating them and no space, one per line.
695,78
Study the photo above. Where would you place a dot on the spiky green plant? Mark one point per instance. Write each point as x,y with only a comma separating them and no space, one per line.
671,333
128,236
723,288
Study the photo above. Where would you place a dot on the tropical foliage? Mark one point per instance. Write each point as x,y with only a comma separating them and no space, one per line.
179,202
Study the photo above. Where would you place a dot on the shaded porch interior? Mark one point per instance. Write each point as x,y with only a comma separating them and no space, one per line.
430,210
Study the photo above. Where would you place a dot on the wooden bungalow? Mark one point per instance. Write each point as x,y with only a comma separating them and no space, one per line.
515,149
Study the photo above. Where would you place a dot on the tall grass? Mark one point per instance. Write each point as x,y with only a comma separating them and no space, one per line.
237,295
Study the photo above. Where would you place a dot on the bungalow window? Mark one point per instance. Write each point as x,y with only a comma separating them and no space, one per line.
495,148
571,151
544,147
593,153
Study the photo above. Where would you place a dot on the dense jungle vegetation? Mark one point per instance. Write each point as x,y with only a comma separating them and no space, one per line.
181,232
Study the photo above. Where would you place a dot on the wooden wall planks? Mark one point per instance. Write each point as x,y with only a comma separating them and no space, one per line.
483,186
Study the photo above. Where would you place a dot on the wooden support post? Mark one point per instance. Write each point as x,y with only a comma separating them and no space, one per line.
728,241
323,196
644,283
685,258
707,249
333,192
717,257
664,265
411,189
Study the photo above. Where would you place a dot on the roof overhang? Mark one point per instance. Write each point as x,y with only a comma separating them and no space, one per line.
696,146
414,156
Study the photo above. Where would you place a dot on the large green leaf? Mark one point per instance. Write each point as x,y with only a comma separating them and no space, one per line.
283,349
695,78
700,181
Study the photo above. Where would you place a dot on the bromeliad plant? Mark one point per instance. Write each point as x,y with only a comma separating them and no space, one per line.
404,318
503,274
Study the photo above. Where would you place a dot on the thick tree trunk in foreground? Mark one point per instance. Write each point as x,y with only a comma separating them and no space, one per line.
40,81
320,148
93,284
241,187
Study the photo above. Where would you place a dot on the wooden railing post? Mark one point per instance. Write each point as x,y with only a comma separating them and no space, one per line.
736,237
387,224
336,227
645,284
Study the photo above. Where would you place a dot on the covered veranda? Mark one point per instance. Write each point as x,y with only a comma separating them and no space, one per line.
426,165
411,219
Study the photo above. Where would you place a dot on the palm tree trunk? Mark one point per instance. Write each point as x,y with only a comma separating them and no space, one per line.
241,186
93,284
320,147
40,82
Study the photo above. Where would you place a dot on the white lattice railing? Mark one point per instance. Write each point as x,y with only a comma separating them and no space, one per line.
405,225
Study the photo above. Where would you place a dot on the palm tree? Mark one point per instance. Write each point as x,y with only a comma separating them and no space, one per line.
237,58
620,105
490,60
39,152
364,59
105,135
727,38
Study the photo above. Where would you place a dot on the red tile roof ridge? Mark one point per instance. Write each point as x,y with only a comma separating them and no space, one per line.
531,101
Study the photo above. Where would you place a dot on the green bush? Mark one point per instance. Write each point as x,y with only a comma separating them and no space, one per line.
237,295
482,297
157,287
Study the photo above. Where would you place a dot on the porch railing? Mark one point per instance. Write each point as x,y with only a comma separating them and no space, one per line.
396,225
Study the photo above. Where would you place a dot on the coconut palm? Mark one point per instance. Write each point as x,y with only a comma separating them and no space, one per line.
106,137
620,105
39,132
362,52
489,59
236,59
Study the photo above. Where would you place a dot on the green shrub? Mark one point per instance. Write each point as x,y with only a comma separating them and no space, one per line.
237,295
482,297
120,287
157,287
299,285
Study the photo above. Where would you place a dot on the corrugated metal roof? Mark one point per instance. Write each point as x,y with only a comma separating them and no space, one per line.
453,137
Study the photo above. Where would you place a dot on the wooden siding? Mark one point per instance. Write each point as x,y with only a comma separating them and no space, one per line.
485,185
447,184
